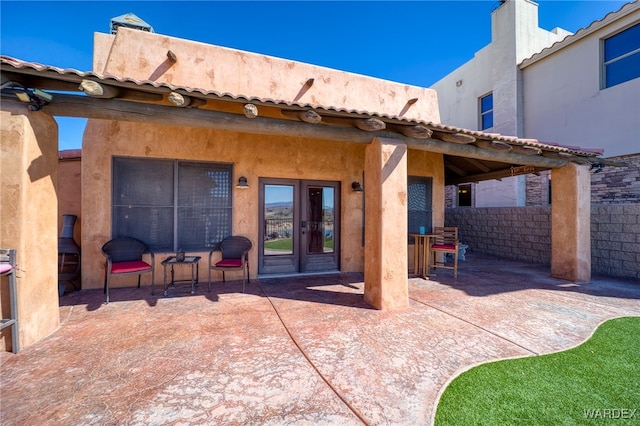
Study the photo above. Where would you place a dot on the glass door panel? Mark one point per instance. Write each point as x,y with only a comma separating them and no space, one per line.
278,220
298,226
319,234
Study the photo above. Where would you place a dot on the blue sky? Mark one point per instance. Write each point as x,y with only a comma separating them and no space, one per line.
414,42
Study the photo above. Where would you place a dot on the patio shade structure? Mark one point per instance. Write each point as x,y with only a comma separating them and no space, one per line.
34,93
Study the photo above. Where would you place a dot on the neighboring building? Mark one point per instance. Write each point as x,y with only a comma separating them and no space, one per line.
578,89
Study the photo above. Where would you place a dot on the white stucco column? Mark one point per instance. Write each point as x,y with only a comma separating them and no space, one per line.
28,213
571,223
385,250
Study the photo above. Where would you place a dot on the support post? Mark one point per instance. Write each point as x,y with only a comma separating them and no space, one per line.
29,215
571,223
385,251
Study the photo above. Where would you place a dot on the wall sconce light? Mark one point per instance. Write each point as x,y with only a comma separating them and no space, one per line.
242,183
356,187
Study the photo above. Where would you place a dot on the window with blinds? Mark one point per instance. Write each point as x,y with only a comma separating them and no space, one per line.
171,204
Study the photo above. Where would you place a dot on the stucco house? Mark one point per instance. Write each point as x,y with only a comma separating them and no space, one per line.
187,143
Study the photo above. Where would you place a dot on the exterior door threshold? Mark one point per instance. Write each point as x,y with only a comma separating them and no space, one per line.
298,274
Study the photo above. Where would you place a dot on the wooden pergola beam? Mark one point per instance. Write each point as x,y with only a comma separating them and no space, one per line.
308,116
455,169
496,174
417,131
494,145
370,124
64,105
98,90
477,164
182,101
525,149
460,138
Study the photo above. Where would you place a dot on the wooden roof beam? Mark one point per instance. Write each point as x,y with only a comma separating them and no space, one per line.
477,164
457,170
308,116
370,124
493,145
95,89
182,101
64,105
460,138
417,131
496,174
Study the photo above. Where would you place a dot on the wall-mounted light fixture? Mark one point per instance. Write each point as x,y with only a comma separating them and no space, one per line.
356,187
242,183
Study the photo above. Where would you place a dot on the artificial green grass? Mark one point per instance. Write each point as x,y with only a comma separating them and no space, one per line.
597,382
284,244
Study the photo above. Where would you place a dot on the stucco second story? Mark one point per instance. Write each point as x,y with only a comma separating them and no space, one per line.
515,35
585,90
143,56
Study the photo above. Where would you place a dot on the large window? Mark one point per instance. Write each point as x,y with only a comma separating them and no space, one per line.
419,194
621,58
486,111
171,204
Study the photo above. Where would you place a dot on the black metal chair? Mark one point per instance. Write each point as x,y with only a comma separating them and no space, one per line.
124,257
235,257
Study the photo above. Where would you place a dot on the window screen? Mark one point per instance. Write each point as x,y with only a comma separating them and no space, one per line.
622,56
170,204
419,190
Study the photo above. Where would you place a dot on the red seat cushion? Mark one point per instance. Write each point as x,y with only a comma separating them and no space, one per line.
230,263
443,246
131,266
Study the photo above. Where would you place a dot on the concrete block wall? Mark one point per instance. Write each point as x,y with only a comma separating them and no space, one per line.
615,240
524,233
617,185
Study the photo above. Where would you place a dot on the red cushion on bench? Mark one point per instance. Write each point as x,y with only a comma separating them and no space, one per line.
131,266
444,246
229,263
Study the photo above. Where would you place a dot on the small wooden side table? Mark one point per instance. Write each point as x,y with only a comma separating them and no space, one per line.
422,254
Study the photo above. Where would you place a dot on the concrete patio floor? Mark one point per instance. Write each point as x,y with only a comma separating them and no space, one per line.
304,351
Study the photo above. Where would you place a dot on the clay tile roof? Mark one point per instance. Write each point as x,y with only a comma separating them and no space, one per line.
72,75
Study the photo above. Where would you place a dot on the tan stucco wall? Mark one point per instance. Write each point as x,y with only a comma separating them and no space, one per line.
70,193
28,213
141,55
252,156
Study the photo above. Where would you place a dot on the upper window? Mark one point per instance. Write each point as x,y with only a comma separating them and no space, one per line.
621,59
486,111
171,204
